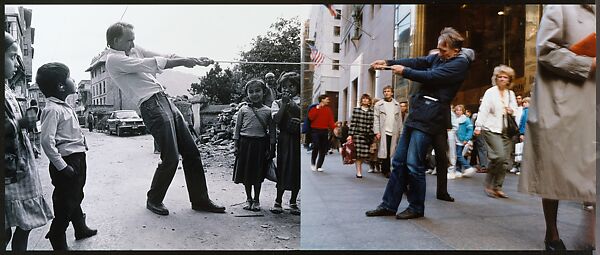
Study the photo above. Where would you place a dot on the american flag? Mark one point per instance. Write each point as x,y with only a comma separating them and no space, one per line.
315,55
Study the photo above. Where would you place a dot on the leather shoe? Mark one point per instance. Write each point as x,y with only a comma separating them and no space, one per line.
380,211
159,208
445,197
556,245
408,214
208,206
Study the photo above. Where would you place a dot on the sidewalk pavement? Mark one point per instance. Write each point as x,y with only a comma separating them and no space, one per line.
335,202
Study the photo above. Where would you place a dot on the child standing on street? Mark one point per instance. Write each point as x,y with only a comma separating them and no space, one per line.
254,143
64,144
463,136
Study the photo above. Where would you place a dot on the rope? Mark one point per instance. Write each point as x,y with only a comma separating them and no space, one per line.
286,63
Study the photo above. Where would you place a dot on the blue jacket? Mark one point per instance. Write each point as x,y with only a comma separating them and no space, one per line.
523,121
306,122
441,80
465,130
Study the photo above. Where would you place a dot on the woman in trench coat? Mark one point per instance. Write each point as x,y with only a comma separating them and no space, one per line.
560,149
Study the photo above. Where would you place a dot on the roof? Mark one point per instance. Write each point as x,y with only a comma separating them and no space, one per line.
97,60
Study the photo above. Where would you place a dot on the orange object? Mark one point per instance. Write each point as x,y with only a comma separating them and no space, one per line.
587,46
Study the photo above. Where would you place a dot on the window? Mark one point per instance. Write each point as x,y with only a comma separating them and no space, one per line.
336,65
336,48
338,14
25,50
336,30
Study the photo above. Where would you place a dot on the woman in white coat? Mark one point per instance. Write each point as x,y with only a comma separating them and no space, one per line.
559,154
498,101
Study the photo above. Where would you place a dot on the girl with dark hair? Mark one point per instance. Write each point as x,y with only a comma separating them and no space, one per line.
254,143
24,205
286,114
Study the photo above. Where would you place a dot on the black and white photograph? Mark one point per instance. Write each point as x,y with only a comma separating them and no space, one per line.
159,127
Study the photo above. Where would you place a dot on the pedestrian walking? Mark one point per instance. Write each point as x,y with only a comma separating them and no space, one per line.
387,125
254,137
90,121
133,71
463,136
452,173
65,146
286,115
321,121
498,102
557,166
25,207
426,116
34,134
361,131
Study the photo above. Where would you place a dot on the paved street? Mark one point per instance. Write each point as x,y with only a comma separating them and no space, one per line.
335,202
119,173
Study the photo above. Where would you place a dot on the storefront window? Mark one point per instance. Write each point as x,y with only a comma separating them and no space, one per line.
402,42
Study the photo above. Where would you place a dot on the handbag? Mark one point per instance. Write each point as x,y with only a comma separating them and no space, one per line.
271,171
348,153
511,125
270,164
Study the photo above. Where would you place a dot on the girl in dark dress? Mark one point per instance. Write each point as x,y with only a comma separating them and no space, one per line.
254,143
286,114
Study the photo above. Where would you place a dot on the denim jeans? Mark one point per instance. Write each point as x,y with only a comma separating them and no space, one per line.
171,133
451,152
408,171
461,161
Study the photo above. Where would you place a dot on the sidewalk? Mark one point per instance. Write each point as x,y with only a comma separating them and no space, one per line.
335,202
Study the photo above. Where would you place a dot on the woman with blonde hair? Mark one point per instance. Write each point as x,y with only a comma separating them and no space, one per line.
498,101
361,131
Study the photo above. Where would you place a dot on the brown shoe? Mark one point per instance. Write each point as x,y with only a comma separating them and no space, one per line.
490,193
501,194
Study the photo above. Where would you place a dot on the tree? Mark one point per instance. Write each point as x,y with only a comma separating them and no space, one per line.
217,85
280,44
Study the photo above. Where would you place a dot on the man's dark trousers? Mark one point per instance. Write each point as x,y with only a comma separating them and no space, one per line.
170,131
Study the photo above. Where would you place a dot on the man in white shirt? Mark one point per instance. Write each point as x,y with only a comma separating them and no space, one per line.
133,70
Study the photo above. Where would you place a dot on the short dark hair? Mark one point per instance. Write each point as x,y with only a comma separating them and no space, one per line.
115,31
388,87
451,37
292,77
49,77
322,97
33,102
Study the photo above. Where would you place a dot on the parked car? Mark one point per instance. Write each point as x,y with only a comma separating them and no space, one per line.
123,121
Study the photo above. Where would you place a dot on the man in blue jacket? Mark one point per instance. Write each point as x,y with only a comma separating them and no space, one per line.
441,75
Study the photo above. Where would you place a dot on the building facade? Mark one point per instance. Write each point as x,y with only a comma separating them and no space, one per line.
324,33
17,21
104,95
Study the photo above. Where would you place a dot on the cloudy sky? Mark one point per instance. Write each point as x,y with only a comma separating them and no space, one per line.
74,34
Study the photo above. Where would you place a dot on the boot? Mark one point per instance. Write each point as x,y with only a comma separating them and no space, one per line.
58,241
81,229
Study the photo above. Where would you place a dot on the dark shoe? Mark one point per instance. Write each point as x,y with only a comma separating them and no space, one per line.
208,206
248,205
556,245
358,176
294,209
445,197
159,209
276,209
380,211
81,229
408,214
58,241
255,206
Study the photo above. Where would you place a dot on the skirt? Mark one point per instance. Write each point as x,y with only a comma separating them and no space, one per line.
251,161
362,146
288,161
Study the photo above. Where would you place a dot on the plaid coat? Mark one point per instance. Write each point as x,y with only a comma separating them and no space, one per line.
361,126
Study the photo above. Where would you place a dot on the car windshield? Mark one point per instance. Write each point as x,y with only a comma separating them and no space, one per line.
127,115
